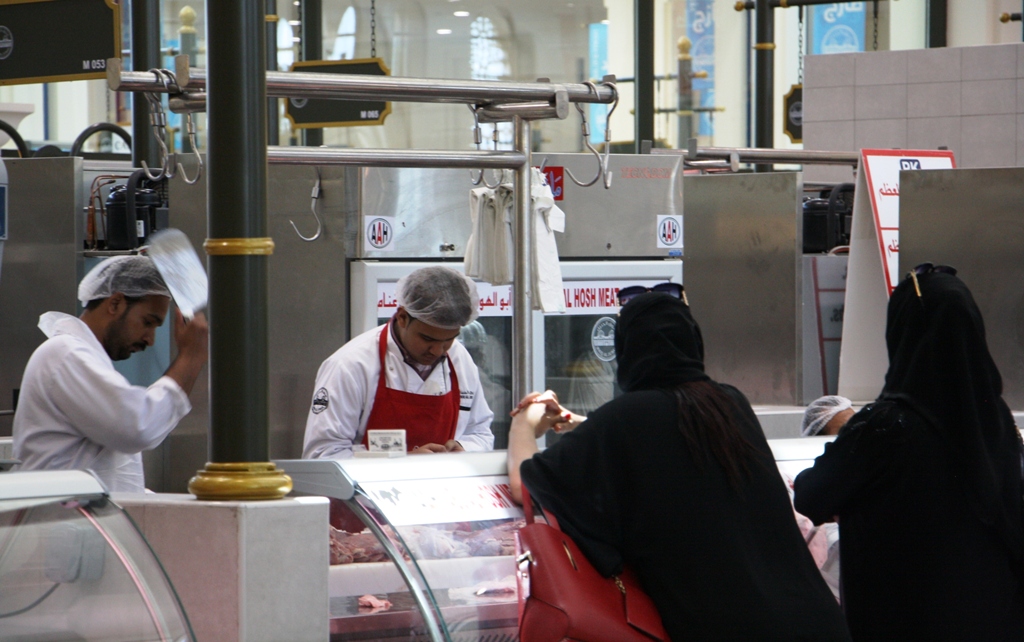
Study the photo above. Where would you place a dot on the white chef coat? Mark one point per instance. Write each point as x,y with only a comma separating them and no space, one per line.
346,386
75,411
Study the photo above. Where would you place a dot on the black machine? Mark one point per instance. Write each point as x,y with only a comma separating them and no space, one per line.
828,219
135,210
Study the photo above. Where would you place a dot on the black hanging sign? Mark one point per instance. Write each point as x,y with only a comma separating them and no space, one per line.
54,40
793,110
313,113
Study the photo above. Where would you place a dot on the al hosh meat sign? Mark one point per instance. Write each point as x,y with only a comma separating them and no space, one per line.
315,112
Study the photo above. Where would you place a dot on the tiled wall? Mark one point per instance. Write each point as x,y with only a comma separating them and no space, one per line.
969,99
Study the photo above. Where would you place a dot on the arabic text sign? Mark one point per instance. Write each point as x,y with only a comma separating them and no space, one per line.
581,297
882,170
441,501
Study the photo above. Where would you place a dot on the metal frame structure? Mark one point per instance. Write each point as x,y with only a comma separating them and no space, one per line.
498,101
733,156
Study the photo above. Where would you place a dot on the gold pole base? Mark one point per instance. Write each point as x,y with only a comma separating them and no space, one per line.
241,481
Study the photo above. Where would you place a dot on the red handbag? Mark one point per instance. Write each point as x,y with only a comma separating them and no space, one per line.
562,597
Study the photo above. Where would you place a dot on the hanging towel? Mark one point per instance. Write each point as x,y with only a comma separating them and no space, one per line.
547,272
490,252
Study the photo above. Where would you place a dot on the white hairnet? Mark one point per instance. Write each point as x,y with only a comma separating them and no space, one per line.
439,296
132,276
821,411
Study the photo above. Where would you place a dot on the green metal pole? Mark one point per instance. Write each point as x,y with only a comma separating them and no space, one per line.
643,86
145,17
311,15
237,210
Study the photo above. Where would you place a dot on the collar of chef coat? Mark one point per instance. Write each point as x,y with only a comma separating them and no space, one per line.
54,324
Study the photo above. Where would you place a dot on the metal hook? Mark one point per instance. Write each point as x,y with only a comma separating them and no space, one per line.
477,138
585,128
158,120
314,196
190,124
494,139
608,134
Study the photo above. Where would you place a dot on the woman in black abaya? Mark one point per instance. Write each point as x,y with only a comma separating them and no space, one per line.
676,480
926,481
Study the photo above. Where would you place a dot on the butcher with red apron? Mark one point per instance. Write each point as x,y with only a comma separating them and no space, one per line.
409,374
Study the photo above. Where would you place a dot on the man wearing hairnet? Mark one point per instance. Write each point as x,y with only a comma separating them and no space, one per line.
75,411
824,417
409,374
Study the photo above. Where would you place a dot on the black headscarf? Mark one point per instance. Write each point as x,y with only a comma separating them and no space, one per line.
939,365
658,344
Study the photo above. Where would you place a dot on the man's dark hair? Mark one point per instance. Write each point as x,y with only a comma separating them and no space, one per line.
95,303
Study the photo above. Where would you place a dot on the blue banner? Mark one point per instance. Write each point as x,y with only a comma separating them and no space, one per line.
598,55
700,29
838,28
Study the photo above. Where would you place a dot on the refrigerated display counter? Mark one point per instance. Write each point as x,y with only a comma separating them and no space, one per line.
73,566
436,558
426,542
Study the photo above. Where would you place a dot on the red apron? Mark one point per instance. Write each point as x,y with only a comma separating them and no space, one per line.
427,419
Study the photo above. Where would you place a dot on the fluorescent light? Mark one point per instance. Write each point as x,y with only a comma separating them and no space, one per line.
604,22
296,39
294,23
461,14
443,32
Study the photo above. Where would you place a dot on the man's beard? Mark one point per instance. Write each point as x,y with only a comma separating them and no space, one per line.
115,341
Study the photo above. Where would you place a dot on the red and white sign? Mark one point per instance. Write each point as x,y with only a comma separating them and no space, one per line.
495,300
581,297
882,170
441,501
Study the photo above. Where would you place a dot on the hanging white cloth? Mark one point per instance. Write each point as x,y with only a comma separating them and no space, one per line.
490,252
547,271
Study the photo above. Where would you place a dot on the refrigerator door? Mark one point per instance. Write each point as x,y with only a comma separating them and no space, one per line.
573,352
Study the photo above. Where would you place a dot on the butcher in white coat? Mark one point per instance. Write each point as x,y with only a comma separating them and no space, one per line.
75,411
409,374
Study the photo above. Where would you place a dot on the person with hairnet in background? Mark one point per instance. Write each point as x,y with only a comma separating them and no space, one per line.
75,411
823,417
409,374
826,415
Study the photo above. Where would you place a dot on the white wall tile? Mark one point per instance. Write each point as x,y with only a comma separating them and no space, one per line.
932,133
988,141
828,103
880,101
1020,93
941,64
1020,60
989,62
881,68
931,99
830,136
880,134
987,97
830,70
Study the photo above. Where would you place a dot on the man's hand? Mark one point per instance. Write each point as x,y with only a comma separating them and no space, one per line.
427,449
453,446
193,337
193,342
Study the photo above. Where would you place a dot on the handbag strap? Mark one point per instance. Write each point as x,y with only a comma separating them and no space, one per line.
528,510
527,504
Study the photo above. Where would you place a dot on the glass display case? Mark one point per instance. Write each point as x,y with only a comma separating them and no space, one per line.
73,566
422,547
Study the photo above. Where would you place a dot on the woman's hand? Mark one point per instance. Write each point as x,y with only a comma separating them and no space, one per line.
555,415
548,398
